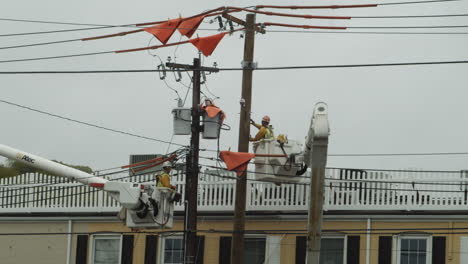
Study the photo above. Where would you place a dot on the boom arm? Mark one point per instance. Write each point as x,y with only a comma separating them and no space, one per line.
49,166
138,199
319,130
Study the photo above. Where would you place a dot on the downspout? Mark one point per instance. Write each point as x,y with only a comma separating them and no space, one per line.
450,242
69,242
368,244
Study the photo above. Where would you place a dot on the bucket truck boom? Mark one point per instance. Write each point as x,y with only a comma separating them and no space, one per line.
146,205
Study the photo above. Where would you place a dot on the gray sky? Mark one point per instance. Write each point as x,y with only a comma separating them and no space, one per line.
371,110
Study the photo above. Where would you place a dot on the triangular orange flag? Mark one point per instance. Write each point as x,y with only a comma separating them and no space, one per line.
164,30
188,27
207,44
236,161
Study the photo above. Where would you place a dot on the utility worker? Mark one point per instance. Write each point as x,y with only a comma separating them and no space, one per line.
264,130
163,179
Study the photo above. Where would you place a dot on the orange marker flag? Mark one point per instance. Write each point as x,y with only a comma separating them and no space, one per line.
236,161
164,30
189,26
207,44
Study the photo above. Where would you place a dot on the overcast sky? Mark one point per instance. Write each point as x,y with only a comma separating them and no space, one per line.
371,110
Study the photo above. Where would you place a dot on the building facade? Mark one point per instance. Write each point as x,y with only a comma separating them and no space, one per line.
369,217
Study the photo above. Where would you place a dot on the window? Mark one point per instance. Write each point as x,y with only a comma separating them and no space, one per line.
336,249
106,249
173,250
332,250
414,250
254,250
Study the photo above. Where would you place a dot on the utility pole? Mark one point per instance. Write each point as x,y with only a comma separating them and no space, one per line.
237,249
318,163
192,170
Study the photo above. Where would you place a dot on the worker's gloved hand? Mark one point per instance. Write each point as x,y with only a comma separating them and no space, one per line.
252,122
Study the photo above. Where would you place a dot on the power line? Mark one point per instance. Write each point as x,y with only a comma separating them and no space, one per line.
54,31
368,32
410,16
331,186
89,124
399,154
353,187
40,44
58,57
64,23
270,31
358,169
349,65
410,27
417,2
224,69
440,182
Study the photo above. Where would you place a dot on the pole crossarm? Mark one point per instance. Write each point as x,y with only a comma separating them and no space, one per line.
242,22
191,67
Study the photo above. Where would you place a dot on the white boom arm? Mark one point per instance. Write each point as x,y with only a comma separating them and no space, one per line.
138,199
319,130
315,156
49,166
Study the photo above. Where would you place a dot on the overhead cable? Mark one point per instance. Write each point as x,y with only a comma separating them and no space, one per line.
351,5
361,169
225,69
54,31
367,32
63,23
89,124
271,31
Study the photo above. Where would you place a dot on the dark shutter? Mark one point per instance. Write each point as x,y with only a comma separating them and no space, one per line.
225,250
438,250
385,250
301,247
81,249
200,249
352,255
151,247
127,249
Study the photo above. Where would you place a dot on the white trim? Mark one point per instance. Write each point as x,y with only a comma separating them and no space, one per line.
368,238
345,243
273,249
102,236
69,241
397,243
162,246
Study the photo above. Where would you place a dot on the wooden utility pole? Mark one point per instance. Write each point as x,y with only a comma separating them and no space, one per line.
237,249
192,170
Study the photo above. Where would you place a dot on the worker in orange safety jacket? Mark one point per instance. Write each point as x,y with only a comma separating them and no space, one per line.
265,131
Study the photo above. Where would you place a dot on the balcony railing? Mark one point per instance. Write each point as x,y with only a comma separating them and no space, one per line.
345,190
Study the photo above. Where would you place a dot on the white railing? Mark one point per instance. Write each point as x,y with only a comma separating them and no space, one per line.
345,190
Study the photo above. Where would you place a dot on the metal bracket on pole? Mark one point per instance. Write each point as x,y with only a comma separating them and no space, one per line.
249,65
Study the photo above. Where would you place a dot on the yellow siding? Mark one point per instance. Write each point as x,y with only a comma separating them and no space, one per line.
53,249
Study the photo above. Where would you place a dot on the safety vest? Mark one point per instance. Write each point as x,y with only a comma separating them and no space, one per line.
268,133
158,178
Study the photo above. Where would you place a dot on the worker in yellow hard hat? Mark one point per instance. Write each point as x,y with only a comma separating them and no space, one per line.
265,131
163,179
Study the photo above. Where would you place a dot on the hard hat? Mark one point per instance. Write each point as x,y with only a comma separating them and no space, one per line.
167,164
266,119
